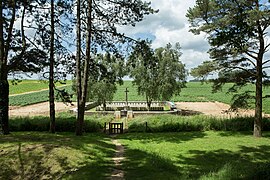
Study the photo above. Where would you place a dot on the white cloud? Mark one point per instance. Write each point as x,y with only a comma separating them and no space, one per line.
171,25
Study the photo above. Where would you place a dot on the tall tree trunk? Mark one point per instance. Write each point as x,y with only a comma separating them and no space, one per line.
82,81
79,125
51,78
4,86
257,132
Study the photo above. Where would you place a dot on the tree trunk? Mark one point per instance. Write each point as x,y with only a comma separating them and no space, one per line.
51,78
257,132
84,80
258,104
4,86
79,125
4,103
148,101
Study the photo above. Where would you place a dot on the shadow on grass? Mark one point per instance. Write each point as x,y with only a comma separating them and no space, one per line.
247,163
244,163
47,156
185,112
164,137
142,165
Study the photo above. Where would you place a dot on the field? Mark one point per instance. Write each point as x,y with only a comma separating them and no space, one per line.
30,85
194,92
184,155
31,92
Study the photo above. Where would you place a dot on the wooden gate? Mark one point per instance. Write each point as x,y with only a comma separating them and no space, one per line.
116,128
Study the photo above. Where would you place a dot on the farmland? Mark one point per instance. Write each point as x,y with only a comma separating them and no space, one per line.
194,92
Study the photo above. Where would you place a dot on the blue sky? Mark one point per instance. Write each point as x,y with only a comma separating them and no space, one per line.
170,25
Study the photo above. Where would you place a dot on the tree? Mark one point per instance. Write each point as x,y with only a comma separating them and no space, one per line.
106,72
158,74
97,23
171,71
144,71
236,32
51,77
15,53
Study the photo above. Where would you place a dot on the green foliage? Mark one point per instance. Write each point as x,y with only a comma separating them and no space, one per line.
105,73
205,69
237,33
173,123
64,123
157,74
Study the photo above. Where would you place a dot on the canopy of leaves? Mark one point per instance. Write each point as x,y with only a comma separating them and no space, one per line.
158,74
106,71
237,33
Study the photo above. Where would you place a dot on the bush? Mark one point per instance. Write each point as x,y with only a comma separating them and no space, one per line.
173,123
64,123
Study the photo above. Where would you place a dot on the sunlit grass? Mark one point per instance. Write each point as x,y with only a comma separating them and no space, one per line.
31,85
61,156
196,155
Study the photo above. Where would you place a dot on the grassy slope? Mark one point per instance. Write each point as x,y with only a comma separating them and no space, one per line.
193,155
28,155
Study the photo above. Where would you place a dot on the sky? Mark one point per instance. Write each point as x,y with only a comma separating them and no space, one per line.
170,25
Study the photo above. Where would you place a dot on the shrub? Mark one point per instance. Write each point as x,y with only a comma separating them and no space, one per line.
64,123
173,123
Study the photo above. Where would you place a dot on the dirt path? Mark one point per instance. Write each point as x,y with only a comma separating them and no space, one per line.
38,109
207,108
118,173
210,108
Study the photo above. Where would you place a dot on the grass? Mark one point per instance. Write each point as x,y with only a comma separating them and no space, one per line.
65,122
29,155
173,123
184,155
196,155
31,85
194,92
32,98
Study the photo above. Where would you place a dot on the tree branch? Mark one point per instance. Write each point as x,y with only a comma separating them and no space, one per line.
8,41
267,61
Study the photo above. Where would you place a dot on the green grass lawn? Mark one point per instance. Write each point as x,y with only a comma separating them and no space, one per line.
196,155
29,155
184,155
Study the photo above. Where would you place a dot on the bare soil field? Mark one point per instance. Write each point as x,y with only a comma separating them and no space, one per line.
211,109
38,109
207,108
